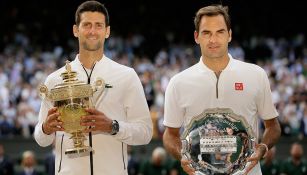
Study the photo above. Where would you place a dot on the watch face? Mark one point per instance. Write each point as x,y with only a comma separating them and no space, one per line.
115,127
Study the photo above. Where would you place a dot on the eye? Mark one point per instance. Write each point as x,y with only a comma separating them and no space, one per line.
206,34
99,25
86,25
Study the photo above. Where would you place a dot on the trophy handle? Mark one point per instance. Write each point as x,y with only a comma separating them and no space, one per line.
43,91
43,94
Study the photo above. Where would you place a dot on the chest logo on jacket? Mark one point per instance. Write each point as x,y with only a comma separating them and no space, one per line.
239,86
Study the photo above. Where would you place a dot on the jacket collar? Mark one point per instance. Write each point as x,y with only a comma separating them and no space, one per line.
204,68
98,63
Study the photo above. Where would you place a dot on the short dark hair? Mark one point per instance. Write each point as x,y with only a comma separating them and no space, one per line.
212,10
92,6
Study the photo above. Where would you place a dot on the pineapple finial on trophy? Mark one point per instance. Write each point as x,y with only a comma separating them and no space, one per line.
69,75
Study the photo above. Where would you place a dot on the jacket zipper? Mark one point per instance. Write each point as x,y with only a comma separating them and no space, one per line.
217,74
123,156
60,165
90,133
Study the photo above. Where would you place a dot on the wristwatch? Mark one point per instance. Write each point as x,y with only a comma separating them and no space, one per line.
115,127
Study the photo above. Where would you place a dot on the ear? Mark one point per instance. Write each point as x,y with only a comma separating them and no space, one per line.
108,32
196,37
75,31
230,35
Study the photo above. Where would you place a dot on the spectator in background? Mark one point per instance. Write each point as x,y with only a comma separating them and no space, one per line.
295,164
6,166
269,165
176,169
28,164
236,51
133,163
50,162
156,165
303,125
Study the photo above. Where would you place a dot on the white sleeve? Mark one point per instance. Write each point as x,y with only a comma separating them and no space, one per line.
137,129
41,138
173,112
266,108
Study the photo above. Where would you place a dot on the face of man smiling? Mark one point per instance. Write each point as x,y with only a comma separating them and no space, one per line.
92,31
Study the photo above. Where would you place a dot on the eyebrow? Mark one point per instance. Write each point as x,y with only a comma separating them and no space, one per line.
207,31
87,22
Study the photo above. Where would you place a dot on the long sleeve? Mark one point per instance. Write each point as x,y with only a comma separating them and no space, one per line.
41,138
137,128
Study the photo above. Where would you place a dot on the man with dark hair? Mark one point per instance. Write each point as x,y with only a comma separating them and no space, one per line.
219,81
6,166
295,164
120,116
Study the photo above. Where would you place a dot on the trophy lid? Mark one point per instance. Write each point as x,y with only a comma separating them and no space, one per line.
71,86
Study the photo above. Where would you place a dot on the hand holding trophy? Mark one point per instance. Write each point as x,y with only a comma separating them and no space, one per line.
71,98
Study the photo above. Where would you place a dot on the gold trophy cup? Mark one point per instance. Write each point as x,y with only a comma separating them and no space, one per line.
72,97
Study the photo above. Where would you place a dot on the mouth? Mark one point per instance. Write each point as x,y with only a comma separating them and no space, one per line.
213,47
92,38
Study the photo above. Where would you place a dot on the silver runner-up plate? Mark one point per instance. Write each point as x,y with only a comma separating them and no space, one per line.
218,142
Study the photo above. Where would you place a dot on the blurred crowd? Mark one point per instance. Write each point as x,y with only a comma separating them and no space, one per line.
23,66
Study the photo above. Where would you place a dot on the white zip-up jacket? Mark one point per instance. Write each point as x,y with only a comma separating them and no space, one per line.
124,102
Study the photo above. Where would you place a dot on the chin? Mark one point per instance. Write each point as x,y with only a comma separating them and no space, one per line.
92,47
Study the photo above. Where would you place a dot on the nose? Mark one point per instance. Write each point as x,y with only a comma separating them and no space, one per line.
213,38
92,30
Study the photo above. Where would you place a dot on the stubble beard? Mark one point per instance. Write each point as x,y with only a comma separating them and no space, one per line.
215,55
94,47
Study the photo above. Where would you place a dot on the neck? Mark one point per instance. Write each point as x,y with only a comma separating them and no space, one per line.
88,58
216,64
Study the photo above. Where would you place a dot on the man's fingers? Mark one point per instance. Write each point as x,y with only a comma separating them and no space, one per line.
90,129
88,118
52,110
53,116
88,123
55,124
186,166
93,111
252,159
250,167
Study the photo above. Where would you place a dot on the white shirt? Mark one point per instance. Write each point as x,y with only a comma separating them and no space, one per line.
242,87
124,102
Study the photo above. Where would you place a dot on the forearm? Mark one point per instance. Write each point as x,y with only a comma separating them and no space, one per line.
271,133
137,133
172,144
41,138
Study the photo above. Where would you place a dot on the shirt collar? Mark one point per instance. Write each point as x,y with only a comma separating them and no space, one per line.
204,68
103,59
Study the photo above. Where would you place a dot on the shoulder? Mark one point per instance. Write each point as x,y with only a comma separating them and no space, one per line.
114,66
245,66
185,75
249,70
54,77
